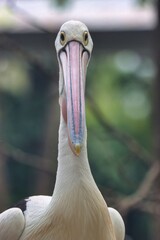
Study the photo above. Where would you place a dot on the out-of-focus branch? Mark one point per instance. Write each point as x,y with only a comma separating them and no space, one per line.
127,140
143,190
134,200
25,158
149,207
7,43
26,17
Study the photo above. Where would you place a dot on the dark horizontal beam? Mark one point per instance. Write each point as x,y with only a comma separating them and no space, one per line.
136,40
141,41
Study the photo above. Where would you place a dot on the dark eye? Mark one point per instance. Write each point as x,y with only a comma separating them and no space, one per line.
85,38
62,38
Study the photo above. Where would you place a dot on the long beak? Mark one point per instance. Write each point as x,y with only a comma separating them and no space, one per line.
74,61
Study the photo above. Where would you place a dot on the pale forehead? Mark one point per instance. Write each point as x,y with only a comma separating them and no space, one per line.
74,27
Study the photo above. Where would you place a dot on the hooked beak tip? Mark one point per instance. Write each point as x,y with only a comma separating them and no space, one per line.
77,148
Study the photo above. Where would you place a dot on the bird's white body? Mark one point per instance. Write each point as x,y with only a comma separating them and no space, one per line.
76,211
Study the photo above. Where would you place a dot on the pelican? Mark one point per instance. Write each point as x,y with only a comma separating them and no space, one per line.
76,210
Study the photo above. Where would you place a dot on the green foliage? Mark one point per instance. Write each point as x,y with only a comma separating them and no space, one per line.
24,102
60,3
147,1
123,95
120,84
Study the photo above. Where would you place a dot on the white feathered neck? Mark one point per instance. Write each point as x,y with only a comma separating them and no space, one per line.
71,169
77,204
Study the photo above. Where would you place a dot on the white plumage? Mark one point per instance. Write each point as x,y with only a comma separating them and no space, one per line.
76,210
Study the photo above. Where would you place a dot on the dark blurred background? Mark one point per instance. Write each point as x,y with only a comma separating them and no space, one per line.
122,103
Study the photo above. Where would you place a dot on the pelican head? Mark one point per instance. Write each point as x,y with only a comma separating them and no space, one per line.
74,46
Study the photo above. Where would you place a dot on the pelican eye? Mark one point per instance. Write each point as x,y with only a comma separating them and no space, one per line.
62,38
85,38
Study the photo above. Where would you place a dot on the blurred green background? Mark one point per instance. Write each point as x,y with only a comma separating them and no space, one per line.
122,104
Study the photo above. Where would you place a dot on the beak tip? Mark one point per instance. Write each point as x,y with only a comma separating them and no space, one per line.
77,148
